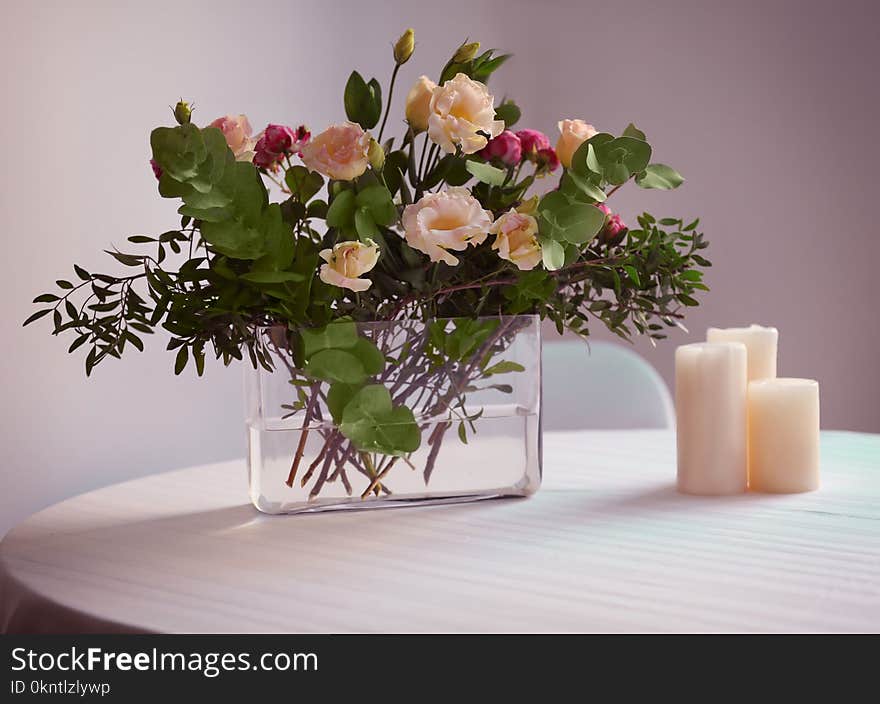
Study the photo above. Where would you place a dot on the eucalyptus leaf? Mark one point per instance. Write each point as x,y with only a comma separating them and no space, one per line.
659,176
486,173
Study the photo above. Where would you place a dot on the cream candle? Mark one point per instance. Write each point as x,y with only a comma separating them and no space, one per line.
760,343
710,409
783,435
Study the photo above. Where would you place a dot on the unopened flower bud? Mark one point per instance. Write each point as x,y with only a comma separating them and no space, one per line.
466,52
376,155
403,49
182,112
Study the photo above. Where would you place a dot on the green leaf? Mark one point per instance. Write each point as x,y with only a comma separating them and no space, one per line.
374,424
341,210
370,356
36,316
46,298
363,101
633,274
234,239
338,397
303,183
587,187
336,335
178,150
509,112
553,254
622,157
181,360
633,131
565,219
503,367
486,173
336,365
660,176
377,199
363,223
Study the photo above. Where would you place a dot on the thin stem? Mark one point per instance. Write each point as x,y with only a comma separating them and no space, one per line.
388,105
300,448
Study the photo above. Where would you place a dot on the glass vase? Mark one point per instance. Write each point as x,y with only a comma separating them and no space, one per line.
463,422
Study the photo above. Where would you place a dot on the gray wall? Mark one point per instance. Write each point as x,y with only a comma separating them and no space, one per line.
769,109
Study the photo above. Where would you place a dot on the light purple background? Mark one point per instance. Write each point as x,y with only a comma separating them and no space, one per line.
768,108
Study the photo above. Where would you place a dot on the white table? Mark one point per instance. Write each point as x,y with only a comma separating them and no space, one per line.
606,545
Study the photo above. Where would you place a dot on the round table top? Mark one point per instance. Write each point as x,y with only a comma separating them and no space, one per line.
606,545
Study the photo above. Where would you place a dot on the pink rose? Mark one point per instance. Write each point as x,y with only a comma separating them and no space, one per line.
238,133
157,170
532,142
340,152
505,147
277,138
547,159
266,158
450,219
614,228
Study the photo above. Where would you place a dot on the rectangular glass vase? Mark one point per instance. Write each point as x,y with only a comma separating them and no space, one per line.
472,430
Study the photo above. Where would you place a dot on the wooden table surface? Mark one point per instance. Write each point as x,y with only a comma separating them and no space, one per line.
606,545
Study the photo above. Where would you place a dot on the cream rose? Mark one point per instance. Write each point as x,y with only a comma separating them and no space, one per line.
516,239
572,134
418,103
239,135
459,110
346,262
450,219
340,152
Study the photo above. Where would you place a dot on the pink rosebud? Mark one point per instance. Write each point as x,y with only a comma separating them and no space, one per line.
505,147
157,170
532,142
265,158
614,228
278,138
547,159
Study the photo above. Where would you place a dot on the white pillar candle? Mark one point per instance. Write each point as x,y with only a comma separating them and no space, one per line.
784,435
760,342
710,409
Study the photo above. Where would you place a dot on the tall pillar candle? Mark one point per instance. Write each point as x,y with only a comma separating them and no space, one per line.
784,435
760,343
710,409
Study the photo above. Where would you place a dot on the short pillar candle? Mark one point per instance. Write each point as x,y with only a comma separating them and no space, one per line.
783,435
710,409
760,343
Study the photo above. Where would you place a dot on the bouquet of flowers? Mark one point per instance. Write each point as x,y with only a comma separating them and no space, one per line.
290,241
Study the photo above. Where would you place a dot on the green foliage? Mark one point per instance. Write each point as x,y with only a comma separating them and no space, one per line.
486,173
659,176
374,424
509,112
363,100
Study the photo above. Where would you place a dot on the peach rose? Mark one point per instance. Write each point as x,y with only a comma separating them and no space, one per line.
572,134
346,261
418,103
450,219
238,133
460,110
516,239
339,152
